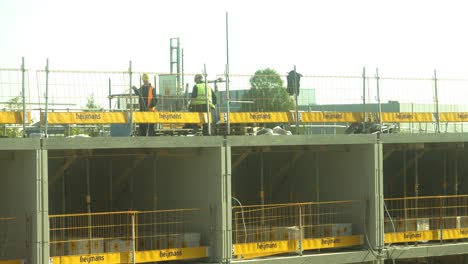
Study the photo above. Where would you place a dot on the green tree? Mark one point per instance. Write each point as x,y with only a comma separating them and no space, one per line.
267,93
14,104
92,106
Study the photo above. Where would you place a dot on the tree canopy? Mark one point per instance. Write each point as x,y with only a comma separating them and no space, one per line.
267,93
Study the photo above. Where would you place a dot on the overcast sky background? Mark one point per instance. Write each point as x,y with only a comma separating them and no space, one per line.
400,37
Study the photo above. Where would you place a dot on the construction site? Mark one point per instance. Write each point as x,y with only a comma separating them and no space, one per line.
354,169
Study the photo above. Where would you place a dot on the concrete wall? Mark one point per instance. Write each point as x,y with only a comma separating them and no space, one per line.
19,196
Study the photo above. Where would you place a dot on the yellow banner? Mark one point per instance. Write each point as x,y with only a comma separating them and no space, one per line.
454,117
411,236
107,258
18,261
455,233
330,117
86,118
332,242
14,117
261,249
407,117
170,117
171,254
257,117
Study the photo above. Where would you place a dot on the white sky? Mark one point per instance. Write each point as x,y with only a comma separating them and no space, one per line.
401,37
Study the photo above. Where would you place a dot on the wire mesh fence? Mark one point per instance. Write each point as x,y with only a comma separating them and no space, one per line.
265,223
76,234
421,215
427,104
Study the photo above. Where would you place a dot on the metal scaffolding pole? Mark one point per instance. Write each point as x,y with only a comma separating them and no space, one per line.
46,121
296,100
207,100
378,98
23,95
228,100
364,98
131,98
436,99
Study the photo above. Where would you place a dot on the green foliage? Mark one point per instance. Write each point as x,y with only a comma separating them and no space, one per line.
92,106
14,104
267,93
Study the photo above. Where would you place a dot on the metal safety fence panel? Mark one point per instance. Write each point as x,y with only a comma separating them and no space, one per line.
409,102
270,93
319,104
15,102
77,234
119,236
292,228
453,109
426,218
165,229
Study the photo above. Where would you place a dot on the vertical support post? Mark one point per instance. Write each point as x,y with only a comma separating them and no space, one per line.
416,182
207,100
228,98
436,101
182,79
262,188
111,195
262,180
455,185
132,257
88,200
364,99
377,79
130,92
445,173
405,194
295,100
300,230
178,66
23,95
110,94
42,237
46,99
155,184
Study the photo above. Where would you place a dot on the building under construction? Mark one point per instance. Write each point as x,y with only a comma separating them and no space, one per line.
233,195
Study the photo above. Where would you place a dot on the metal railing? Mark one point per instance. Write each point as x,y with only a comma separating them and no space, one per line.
129,231
425,218
428,104
262,230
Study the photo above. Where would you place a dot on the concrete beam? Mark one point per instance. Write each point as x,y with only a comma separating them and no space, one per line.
239,160
301,140
321,258
20,143
282,171
59,172
422,138
131,142
425,250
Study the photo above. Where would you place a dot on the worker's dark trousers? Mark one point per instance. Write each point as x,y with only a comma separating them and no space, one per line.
146,130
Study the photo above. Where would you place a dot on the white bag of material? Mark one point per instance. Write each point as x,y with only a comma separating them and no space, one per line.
265,131
279,131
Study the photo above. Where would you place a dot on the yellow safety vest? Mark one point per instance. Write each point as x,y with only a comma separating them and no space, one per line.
201,96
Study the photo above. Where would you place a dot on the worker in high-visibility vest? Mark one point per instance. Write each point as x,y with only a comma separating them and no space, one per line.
148,101
198,101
